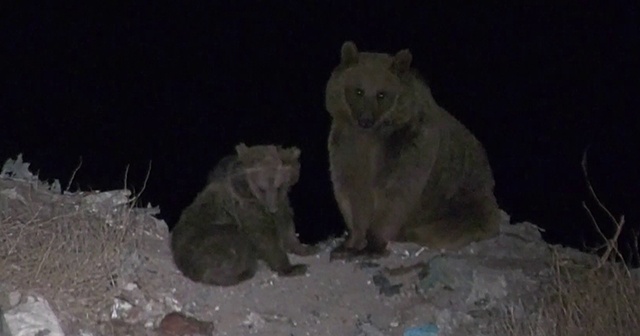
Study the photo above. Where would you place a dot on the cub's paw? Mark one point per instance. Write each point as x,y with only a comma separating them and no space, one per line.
306,250
294,270
342,252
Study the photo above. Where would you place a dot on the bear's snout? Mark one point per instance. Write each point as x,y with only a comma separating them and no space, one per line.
365,122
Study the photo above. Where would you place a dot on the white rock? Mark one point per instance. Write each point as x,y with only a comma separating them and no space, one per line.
34,317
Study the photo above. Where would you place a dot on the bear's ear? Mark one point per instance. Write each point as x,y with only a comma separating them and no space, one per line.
402,61
349,53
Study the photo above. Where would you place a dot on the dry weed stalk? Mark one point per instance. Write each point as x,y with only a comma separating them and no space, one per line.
60,247
599,299
610,245
73,175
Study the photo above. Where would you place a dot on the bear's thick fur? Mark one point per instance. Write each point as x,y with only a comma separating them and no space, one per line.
242,215
402,168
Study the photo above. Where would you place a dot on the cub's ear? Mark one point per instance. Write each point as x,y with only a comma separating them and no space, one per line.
294,175
402,61
242,149
295,153
349,53
290,155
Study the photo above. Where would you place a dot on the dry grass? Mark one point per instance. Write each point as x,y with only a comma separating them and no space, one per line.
64,247
600,299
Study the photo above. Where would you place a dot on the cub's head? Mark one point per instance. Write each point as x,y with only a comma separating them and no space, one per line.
270,172
368,86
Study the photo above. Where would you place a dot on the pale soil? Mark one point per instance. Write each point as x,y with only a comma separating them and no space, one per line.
338,297
333,298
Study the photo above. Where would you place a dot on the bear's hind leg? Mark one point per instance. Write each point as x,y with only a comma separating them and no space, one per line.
222,257
456,228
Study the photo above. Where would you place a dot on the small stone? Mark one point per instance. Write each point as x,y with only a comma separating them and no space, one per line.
14,298
130,286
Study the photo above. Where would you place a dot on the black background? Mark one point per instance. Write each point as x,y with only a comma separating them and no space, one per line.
179,84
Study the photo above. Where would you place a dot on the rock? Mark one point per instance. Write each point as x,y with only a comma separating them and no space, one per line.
178,324
31,318
475,285
4,329
368,329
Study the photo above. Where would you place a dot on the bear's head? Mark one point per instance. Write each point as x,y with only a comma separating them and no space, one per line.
371,84
269,172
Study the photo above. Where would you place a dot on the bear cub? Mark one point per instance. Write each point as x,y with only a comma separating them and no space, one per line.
242,215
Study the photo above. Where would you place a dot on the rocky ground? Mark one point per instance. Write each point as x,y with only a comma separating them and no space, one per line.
412,292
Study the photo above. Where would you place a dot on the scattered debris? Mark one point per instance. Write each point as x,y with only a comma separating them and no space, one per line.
254,322
424,330
385,286
103,267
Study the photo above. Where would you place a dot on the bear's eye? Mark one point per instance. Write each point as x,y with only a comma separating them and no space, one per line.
380,95
359,92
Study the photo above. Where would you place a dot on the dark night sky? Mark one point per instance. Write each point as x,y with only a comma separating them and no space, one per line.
180,83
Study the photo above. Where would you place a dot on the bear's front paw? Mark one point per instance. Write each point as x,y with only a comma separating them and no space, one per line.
375,249
374,253
370,252
294,270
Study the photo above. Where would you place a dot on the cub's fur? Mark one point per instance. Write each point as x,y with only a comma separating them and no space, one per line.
402,167
242,215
